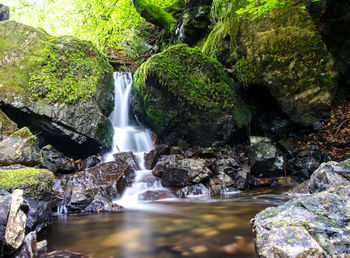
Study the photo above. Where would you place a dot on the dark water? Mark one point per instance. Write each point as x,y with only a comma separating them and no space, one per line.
190,228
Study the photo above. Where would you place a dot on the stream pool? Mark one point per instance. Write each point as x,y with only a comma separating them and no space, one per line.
195,227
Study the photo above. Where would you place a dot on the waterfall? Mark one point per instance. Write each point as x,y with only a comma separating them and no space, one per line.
133,138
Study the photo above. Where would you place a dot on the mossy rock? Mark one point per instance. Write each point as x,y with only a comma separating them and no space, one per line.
282,51
63,80
7,126
32,181
21,147
182,93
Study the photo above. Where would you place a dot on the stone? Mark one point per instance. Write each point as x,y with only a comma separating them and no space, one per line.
4,12
7,126
39,213
195,190
57,99
152,157
16,223
153,195
264,159
313,225
177,172
21,147
183,95
55,161
127,157
95,188
28,249
328,175
87,163
281,53
65,254
5,201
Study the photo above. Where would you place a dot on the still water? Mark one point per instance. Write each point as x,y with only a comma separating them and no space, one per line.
200,227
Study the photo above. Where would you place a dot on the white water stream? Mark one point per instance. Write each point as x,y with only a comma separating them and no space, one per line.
130,138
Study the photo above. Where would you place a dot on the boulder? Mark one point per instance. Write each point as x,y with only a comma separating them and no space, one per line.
127,157
58,86
16,223
152,157
181,93
21,147
35,183
7,126
95,188
264,158
4,12
87,163
309,226
195,190
328,175
280,52
177,172
39,213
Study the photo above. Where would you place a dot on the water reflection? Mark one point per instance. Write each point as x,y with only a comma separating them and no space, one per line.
190,228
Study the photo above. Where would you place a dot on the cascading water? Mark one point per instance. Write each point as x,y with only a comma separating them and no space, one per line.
130,138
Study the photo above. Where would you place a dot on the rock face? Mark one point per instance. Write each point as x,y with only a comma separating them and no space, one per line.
280,51
28,248
4,12
45,85
55,161
183,94
21,147
94,189
5,199
308,226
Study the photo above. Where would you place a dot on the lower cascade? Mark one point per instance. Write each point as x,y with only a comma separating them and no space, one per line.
134,138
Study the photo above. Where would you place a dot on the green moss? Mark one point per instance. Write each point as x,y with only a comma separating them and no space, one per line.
194,79
32,181
38,66
25,133
7,126
249,71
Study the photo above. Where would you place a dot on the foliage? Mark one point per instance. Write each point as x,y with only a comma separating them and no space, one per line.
257,8
32,181
107,23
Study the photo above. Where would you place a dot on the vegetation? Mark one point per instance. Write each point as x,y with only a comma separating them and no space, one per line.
107,23
32,181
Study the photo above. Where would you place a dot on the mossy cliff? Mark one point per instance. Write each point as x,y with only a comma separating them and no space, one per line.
182,93
280,50
62,80
7,126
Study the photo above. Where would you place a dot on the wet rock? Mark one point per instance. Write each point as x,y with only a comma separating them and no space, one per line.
7,126
309,226
21,147
260,181
28,249
67,103
87,163
328,175
177,171
153,195
264,159
65,254
16,223
127,157
195,190
152,157
241,179
39,213
4,12
95,188
55,161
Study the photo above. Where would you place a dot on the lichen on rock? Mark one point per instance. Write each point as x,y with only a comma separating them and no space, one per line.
183,88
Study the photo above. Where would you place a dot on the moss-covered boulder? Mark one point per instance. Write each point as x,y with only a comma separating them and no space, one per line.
21,147
4,12
32,181
280,50
183,94
60,86
7,126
